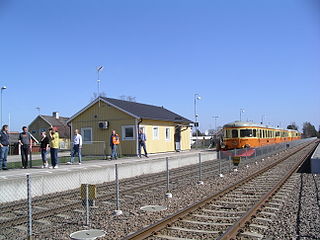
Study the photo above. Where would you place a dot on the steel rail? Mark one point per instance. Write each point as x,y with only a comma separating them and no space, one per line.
156,227
233,230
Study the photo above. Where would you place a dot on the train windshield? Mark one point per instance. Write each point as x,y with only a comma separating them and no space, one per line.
246,133
234,133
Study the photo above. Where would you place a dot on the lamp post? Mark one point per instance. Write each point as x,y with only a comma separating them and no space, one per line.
99,69
196,98
2,88
241,111
215,123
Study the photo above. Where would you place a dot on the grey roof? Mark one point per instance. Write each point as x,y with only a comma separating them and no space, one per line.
61,121
60,124
145,111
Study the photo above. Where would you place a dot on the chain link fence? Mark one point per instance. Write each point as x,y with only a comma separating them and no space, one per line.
52,205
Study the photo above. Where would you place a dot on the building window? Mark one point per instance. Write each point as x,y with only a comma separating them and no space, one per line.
86,135
155,131
128,133
167,134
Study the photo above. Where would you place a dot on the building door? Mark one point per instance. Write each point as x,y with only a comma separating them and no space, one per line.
177,138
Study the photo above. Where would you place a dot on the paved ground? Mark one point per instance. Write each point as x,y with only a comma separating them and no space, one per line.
17,158
14,173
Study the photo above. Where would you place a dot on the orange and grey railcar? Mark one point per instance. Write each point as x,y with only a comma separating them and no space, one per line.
250,135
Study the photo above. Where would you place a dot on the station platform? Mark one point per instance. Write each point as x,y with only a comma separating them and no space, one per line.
315,161
68,177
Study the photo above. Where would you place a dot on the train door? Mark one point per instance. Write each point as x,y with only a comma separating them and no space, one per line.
177,138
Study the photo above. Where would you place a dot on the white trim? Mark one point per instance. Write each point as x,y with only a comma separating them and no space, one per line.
153,136
123,131
165,134
82,134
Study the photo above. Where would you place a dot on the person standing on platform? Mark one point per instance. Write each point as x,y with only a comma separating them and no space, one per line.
25,143
114,142
142,143
4,147
44,147
77,145
54,147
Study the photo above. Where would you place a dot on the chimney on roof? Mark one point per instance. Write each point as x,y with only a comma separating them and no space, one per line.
55,115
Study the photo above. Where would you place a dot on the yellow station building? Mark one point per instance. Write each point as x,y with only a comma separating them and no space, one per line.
165,130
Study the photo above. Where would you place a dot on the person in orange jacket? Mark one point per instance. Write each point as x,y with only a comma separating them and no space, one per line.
114,142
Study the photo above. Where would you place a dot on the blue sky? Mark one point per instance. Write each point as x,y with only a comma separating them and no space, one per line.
263,56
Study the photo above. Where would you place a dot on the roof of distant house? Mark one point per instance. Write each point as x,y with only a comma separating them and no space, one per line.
59,123
53,121
140,110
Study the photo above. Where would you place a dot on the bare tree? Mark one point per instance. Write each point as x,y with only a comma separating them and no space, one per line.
128,98
95,95
293,126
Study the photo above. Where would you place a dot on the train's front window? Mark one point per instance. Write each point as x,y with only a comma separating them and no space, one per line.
234,133
246,133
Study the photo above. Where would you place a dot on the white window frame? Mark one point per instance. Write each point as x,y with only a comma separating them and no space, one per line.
153,136
123,130
82,134
169,134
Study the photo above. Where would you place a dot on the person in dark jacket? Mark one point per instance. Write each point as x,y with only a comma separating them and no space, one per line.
25,142
142,143
4,147
44,148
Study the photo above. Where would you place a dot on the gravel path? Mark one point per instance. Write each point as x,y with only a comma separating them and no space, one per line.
300,217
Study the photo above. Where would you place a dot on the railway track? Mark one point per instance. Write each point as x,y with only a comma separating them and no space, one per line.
229,212
106,192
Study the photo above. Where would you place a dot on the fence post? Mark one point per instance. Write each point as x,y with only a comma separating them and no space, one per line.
229,163
87,205
168,194
29,197
220,174
117,212
246,153
200,182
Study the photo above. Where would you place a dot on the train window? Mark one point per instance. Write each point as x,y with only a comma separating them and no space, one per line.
254,132
245,132
227,133
277,134
234,133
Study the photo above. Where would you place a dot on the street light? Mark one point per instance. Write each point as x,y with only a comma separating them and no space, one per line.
215,122
2,88
99,69
241,111
196,124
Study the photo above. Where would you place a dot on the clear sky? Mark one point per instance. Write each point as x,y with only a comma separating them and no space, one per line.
263,56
